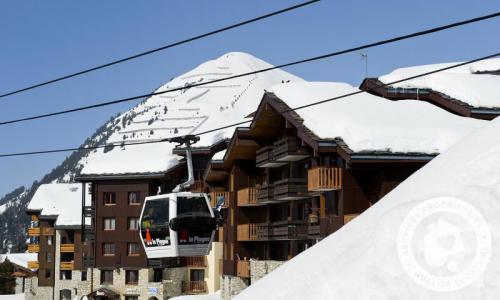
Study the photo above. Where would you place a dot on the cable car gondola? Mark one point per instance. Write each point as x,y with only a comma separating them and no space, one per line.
179,223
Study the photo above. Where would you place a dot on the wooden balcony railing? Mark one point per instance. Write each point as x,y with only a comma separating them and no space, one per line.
324,179
243,268
215,195
289,230
67,265
198,186
349,217
264,158
252,232
33,248
265,194
220,234
67,248
247,196
34,231
196,261
194,287
47,231
291,189
288,149
33,265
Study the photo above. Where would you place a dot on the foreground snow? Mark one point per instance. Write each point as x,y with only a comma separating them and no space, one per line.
214,296
462,83
369,123
361,261
12,297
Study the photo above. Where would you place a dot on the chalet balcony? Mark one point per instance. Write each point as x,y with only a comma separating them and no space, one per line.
322,179
291,189
265,194
47,231
67,248
289,230
220,234
247,197
198,186
243,268
314,231
264,158
33,248
288,149
34,231
215,195
34,265
67,266
88,261
196,261
194,287
253,232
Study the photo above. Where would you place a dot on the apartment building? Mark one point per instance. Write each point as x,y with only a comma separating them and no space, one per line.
471,90
294,177
55,235
120,268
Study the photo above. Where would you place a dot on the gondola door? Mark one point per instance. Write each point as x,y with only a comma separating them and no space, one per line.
155,232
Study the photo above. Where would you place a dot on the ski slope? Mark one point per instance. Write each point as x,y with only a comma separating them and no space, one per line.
363,260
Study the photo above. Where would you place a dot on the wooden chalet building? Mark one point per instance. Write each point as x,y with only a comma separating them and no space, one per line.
116,255
289,188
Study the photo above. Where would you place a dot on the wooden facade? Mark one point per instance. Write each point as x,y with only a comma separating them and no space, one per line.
291,189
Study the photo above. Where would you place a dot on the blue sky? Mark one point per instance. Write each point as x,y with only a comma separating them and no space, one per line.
44,39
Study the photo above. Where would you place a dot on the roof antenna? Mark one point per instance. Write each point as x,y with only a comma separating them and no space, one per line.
364,56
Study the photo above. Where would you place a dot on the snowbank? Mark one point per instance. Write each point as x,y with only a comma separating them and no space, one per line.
477,90
20,259
361,261
12,297
189,111
214,296
61,199
370,123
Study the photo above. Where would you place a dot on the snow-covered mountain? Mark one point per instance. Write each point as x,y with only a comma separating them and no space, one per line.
190,110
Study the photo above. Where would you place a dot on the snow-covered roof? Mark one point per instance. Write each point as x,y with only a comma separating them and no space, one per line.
361,260
370,123
63,200
462,83
20,259
188,111
219,155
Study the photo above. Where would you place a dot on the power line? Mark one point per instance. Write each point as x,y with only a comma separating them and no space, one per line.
178,43
375,44
248,121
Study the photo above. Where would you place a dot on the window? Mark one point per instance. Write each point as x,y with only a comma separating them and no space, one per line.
106,276
109,198
48,256
49,240
84,275
155,275
47,273
131,297
133,224
108,249
197,275
65,275
131,277
109,224
134,198
133,249
65,294
154,225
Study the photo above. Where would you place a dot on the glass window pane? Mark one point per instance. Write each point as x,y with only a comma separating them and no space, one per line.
154,223
192,206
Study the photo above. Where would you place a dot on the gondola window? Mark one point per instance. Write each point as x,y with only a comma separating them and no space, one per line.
154,224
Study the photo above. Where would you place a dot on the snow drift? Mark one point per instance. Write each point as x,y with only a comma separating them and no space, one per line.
361,260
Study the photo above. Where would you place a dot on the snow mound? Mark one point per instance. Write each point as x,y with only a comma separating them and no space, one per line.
462,83
360,261
214,296
188,111
63,200
370,123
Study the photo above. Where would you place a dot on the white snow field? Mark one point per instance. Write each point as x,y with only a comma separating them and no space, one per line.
12,297
361,260
63,200
213,296
462,83
370,123
188,111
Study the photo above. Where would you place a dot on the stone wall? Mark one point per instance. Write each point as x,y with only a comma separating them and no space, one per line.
260,268
231,286
33,292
